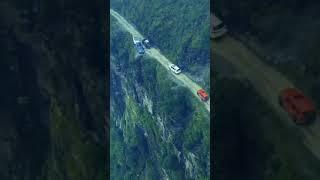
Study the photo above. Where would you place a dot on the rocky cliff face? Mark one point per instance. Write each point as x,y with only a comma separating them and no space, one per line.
158,129
53,93
179,28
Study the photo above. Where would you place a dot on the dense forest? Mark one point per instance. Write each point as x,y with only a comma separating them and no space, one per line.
54,102
158,128
147,126
180,29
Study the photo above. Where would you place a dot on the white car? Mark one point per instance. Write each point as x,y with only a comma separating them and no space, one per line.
175,69
218,28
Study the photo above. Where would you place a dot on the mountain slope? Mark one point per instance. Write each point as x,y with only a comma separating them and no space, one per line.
54,97
158,129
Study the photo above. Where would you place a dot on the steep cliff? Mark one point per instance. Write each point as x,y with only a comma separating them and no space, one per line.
159,130
53,93
179,28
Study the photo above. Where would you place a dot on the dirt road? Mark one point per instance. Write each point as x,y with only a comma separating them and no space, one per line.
268,83
156,54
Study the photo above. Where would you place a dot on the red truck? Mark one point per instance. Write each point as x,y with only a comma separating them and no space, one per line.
299,107
203,95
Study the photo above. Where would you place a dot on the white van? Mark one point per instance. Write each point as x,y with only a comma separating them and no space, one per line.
218,28
174,68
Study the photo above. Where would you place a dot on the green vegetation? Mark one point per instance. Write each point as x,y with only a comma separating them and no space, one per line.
255,147
145,146
179,28
54,97
71,150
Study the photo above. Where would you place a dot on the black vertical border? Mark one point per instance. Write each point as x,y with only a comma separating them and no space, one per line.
106,38
212,97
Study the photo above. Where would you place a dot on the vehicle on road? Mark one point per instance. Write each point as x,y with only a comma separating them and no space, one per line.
203,95
218,28
299,107
135,40
146,43
174,68
137,43
140,48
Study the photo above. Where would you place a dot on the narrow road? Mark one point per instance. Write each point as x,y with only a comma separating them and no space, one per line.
156,54
268,83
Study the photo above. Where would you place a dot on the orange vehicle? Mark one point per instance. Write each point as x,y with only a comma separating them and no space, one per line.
203,95
299,107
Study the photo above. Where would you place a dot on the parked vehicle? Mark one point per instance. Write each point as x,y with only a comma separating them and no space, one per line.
203,95
175,69
146,43
140,48
218,28
299,107
137,43
135,40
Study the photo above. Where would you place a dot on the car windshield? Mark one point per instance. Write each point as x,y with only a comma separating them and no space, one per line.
173,66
